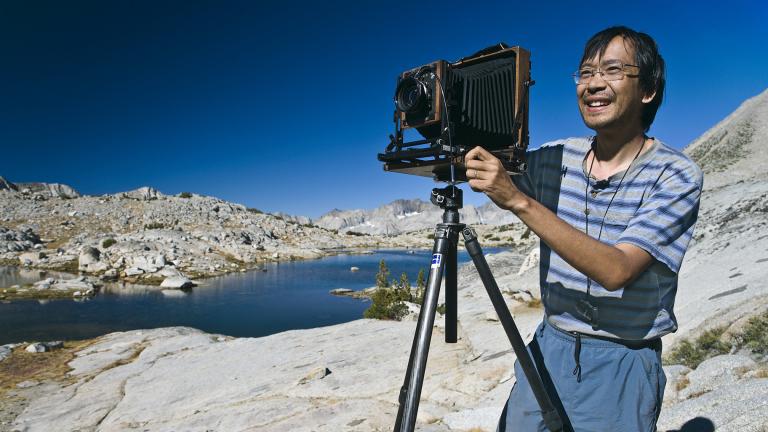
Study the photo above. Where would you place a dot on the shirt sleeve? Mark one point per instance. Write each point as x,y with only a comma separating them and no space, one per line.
663,225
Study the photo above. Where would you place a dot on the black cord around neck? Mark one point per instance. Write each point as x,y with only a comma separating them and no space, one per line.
586,198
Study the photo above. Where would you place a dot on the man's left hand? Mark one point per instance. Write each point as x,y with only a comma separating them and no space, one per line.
486,174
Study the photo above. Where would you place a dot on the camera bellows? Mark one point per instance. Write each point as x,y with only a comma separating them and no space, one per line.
485,96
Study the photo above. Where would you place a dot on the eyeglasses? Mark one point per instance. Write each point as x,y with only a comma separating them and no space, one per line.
612,71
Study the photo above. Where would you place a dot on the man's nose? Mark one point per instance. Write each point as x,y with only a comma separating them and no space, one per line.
596,82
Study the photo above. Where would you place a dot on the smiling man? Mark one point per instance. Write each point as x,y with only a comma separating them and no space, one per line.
615,213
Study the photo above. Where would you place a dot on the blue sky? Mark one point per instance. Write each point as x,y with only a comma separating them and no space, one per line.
284,106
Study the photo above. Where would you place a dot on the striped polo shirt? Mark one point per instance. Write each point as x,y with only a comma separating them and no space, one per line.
654,208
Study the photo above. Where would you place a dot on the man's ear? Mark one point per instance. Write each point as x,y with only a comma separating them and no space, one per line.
649,97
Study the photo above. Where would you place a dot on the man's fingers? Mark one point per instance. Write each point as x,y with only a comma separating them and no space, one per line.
478,153
475,184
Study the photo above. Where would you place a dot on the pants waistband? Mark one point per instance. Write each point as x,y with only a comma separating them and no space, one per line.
654,344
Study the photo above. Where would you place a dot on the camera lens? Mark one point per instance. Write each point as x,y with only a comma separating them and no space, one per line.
411,95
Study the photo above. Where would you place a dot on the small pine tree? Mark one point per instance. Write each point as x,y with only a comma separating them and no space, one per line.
404,282
421,284
420,281
382,277
405,286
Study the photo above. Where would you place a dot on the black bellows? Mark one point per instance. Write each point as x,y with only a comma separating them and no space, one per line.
483,95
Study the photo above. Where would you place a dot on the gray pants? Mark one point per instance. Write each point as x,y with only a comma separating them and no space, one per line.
600,385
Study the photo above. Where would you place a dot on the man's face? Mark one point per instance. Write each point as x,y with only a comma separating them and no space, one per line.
612,106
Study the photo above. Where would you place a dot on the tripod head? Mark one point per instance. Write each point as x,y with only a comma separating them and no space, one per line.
450,199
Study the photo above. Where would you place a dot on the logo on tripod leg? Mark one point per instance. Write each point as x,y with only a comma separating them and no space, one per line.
437,259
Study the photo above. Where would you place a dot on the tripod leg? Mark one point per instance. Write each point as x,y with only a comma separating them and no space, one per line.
445,239
550,415
451,296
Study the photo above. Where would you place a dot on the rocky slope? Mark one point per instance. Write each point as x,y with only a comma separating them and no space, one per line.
347,377
146,235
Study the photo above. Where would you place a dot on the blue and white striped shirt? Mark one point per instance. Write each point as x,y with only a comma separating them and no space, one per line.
655,209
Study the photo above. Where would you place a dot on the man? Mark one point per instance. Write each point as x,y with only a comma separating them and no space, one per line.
614,213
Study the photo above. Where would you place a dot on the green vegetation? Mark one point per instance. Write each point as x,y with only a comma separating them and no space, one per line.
254,210
421,284
441,309
691,354
388,301
382,277
753,337
387,304
355,233
185,195
526,234
108,242
154,225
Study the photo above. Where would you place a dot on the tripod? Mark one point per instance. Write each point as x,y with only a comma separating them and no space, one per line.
444,264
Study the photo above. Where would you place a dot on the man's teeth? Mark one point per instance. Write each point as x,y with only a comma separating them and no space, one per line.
598,103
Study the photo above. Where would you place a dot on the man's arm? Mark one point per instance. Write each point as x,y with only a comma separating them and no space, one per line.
613,267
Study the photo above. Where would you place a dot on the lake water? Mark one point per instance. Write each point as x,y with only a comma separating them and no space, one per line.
290,295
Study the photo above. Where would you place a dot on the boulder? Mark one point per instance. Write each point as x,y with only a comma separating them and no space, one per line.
133,271
78,284
177,282
38,347
315,374
341,291
49,189
6,185
44,284
169,272
35,347
31,258
716,372
110,274
6,350
89,257
149,263
144,193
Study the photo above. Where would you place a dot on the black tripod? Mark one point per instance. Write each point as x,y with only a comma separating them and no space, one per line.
444,263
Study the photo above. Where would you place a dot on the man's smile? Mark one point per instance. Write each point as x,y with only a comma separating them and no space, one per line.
596,104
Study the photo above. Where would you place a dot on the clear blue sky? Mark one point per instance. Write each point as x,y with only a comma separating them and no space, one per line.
284,106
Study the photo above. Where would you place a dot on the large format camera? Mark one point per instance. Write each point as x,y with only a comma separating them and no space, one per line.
480,100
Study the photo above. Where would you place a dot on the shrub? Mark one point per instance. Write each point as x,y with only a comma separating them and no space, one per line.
755,335
355,233
387,304
707,345
108,242
254,210
185,195
154,225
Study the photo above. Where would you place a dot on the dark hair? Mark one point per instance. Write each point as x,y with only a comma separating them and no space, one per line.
647,57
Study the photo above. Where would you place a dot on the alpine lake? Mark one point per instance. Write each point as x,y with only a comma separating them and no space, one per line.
283,296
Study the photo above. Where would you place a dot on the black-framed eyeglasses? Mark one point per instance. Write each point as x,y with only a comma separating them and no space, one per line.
612,71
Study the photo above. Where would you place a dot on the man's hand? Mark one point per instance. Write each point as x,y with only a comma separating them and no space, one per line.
486,174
